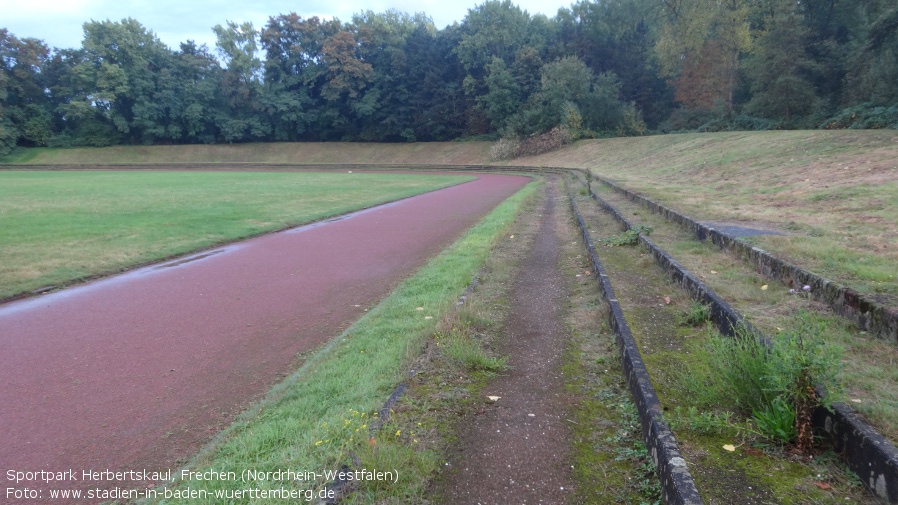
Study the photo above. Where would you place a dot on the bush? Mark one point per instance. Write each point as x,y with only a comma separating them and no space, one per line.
510,147
505,149
683,119
60,140
632,124
864,116
553,139
739,122
628,237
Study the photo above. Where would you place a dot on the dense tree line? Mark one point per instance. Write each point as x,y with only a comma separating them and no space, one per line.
599,67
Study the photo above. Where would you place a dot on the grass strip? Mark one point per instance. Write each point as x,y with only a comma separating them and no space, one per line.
317,418
451,374
59,227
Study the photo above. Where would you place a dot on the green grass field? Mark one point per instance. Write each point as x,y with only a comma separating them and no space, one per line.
59,227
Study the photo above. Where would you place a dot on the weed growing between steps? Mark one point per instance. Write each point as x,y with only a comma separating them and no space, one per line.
773,386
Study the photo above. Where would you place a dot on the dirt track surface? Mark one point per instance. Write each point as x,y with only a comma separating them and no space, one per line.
518,451
140,370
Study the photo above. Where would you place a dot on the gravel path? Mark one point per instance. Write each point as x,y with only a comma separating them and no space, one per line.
517,450
140,370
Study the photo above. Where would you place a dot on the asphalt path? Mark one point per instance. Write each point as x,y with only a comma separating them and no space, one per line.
140,370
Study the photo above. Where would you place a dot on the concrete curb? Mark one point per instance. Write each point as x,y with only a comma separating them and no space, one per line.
868,454
867,313
677,485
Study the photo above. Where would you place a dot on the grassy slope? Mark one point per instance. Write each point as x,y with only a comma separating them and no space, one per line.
454,153
835,193
62,226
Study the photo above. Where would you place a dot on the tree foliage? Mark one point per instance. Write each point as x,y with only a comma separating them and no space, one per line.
598,67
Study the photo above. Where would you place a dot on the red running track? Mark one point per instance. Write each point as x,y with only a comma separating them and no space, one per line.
140,370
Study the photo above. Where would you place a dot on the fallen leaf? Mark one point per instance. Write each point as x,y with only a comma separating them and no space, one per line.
372,442
494,398
764,287
823,485
713,271
729,447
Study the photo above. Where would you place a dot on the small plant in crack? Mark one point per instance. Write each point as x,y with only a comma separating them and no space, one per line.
696,314
629,237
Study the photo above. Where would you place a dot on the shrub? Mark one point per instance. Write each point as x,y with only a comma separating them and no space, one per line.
505,149
510,147
632,124
553,139
865,116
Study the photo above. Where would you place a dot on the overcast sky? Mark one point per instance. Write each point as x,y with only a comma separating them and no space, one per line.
59,23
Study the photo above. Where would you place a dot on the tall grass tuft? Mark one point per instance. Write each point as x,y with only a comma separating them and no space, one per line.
776,384
466,350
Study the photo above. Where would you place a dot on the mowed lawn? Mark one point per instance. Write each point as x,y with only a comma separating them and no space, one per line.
59,227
